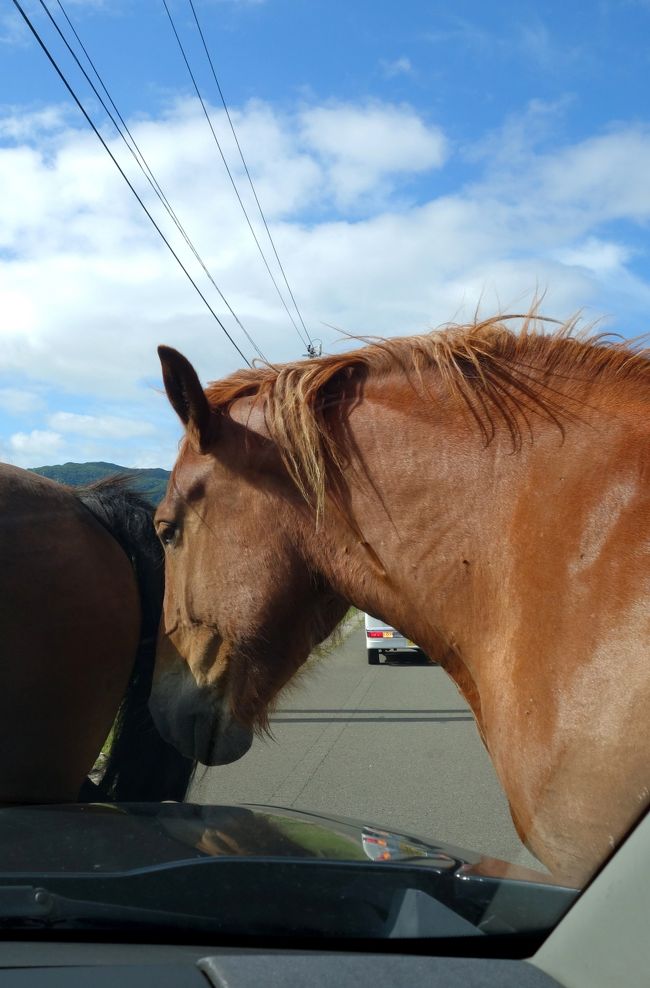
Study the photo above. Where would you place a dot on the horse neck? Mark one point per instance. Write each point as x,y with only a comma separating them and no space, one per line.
422,513
525,574
439,527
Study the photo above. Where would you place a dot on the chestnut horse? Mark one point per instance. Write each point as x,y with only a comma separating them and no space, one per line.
484,490
81,587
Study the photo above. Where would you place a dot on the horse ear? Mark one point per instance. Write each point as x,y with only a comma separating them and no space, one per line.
187,398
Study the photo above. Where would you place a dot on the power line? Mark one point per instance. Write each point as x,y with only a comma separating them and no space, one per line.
140,160
134,148
123,174
304,340
248,174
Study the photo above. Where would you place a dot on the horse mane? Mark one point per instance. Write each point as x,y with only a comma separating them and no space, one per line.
500,374
128,517
140,766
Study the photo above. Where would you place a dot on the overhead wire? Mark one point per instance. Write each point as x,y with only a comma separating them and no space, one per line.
135,150
304,339
245,166
135,193
140,159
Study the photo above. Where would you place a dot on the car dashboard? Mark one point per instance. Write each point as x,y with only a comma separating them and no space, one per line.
86,965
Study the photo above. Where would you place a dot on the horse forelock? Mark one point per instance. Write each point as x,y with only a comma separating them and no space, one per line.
501,375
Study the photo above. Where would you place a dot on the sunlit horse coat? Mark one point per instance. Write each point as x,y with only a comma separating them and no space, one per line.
485,491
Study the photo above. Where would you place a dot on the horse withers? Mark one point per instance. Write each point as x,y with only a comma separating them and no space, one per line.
487,491
81,589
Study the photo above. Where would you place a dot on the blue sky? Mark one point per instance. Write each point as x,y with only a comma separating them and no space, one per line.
415,160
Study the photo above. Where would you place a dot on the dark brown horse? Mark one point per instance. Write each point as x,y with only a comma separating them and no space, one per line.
81,586
486,491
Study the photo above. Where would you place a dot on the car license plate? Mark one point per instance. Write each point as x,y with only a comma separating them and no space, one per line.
388,634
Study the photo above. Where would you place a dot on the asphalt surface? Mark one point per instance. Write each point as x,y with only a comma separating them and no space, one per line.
394,745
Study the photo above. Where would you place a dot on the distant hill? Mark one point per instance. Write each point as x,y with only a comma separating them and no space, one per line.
151,482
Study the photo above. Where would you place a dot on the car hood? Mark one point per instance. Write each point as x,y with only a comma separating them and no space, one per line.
247,870
102,838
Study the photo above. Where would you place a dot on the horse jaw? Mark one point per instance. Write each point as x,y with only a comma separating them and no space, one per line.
194,718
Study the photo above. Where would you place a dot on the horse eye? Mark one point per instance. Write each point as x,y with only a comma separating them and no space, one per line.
167,533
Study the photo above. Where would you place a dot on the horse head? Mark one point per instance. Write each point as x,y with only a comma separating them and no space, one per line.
242,608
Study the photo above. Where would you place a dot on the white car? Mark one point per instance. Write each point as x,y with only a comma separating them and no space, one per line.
382,638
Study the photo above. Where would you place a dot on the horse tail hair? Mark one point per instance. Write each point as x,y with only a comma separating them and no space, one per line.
141,766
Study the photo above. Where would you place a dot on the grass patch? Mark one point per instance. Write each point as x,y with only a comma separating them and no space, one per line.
317,840
108,743
351,620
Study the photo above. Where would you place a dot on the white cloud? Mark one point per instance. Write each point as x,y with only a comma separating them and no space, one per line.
99,426
39,446
12,29
597,256
397,67
605,174
521,136
531,41
363,147
88,291
535,41
17,123
240,3
44,447
457,30
18,401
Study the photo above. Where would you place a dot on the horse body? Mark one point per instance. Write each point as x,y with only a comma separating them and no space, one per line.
526,576
533,593
497,513
49,734
80,599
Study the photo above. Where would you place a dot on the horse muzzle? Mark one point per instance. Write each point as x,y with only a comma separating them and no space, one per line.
192,718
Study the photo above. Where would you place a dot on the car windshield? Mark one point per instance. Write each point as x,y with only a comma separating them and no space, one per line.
370,662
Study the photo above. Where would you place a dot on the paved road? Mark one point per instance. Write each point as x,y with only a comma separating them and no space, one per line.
392,745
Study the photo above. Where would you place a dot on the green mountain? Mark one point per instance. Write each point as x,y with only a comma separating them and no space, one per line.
150,482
